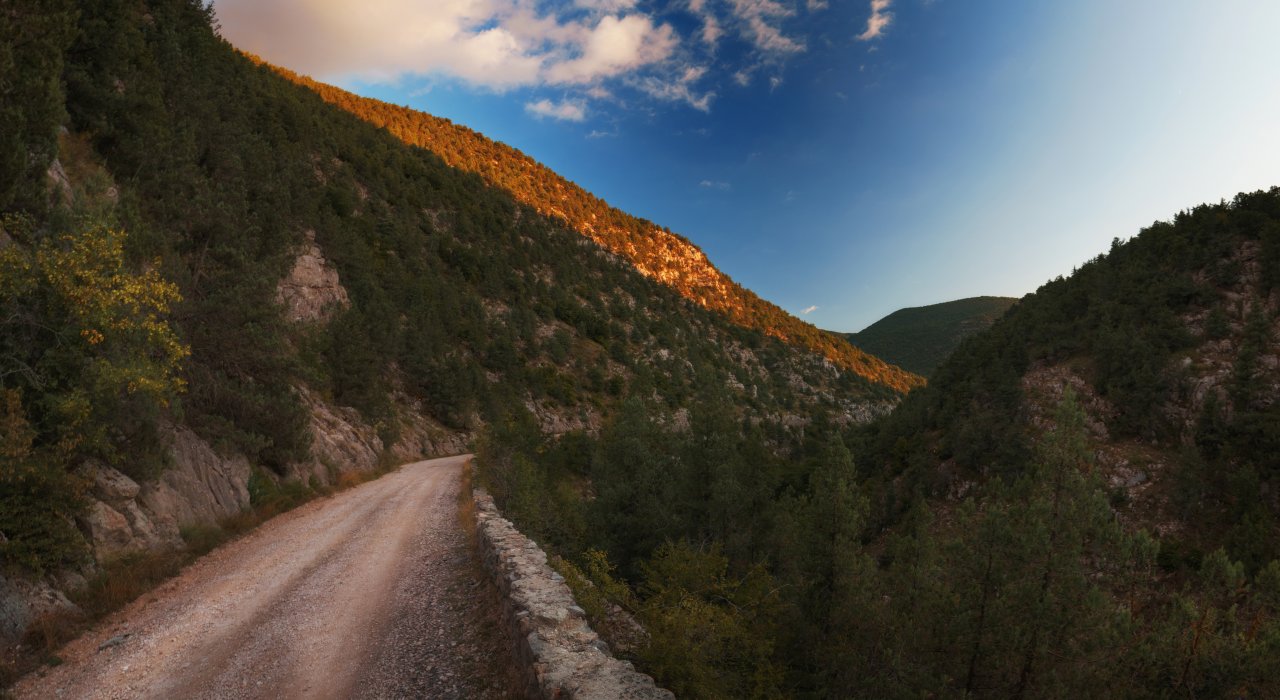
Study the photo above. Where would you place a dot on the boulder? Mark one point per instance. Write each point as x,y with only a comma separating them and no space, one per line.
148,533
111,486
22,602
108,531
59,183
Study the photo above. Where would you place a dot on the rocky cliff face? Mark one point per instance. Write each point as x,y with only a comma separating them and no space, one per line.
678,263
312,291
1142,471
123,517
200,488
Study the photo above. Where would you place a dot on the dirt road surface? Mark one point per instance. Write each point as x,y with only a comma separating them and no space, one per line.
372,593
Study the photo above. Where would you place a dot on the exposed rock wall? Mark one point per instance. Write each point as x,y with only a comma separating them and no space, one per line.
340,442
312,290
564,657
422,438
200,488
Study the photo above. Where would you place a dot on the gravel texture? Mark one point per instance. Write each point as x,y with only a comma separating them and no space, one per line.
375,592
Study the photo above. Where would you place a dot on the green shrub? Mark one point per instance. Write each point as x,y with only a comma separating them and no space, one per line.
39,500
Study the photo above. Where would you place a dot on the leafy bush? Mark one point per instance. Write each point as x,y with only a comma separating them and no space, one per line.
88,362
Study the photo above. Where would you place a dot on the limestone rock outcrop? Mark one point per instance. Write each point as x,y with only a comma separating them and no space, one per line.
107,529
340,441
312,290
202,487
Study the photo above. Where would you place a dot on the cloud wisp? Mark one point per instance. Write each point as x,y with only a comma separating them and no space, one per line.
564,111
761,25
808,310
879,20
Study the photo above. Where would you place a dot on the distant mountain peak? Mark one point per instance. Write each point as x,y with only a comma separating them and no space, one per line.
919,338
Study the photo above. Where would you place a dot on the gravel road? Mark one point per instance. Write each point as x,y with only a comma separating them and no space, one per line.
372,593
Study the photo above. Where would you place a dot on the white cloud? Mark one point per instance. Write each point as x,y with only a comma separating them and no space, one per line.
715,185
676,92
693,74
614,46
756,22
564,111
606,5
878,21
808,310
711,29
584,50
498,44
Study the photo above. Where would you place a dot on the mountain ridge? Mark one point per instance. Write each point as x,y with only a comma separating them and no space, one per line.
919,338
654,250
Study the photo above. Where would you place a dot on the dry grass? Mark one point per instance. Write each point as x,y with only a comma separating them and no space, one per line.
348,479
123,580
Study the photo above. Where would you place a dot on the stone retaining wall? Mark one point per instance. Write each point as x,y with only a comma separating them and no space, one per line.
563,656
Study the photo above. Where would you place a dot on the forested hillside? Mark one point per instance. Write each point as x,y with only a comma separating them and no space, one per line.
918,339
655,251
1082,503
165,198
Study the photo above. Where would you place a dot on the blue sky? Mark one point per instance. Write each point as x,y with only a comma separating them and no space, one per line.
841,158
